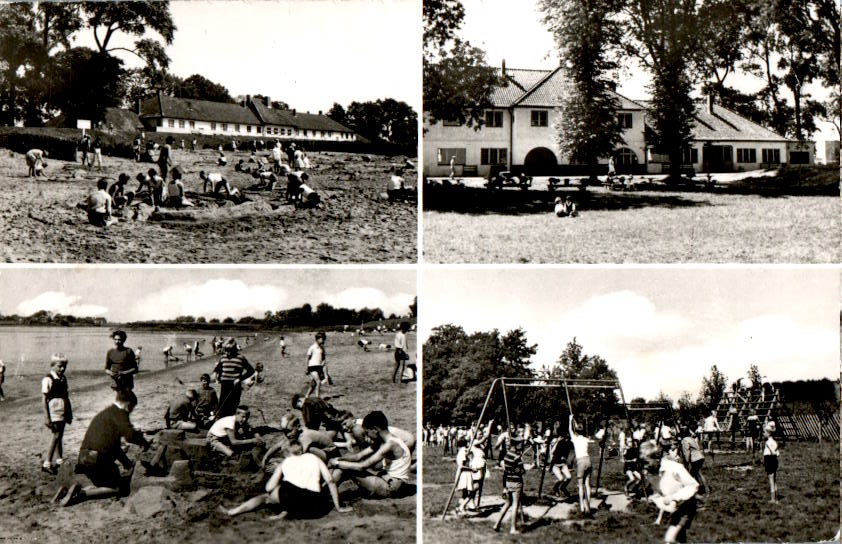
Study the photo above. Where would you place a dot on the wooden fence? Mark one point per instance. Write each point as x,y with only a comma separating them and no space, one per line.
808,426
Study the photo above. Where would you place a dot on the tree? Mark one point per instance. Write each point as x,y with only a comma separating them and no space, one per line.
413,308
662,35
754,375
20,50
77,72
719,52
199,87
337,113
457,81
385,119
713,388
134,18
587,34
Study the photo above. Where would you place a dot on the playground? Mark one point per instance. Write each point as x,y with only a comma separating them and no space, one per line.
735,505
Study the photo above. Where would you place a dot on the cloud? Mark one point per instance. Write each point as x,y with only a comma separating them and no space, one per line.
60,303
219,298
368,297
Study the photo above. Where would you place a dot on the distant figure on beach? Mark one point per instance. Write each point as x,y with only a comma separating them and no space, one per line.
453,167
182,144
120,363
612,170
193,145
35,162
221,160
2,379
85,148
167,351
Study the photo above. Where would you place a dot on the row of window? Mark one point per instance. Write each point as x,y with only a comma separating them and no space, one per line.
538,118
269,130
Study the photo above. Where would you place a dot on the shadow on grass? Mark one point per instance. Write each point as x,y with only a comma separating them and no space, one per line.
482,201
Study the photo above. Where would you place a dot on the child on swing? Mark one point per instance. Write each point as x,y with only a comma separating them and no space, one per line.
512,481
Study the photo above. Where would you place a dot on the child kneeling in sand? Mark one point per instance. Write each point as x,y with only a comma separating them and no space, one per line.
295,488
99,205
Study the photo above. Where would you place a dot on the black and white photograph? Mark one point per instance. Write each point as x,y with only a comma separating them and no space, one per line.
177,405
568,131
630,405
210,132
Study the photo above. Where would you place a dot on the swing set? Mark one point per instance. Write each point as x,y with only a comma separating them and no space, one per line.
567,384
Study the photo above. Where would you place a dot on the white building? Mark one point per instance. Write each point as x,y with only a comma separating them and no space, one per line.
519,135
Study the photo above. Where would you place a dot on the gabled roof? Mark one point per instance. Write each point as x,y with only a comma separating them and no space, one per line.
540,88
312,121
724,124
198,110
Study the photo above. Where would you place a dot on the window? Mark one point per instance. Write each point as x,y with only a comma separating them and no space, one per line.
276,130
625,120
305,132
225,127
445,154
171,123
248,128
260,130
626,157
494,119
690,156
493,155
455,123
539,118
213,126
192,124
746,155
799,157
181,123
771,156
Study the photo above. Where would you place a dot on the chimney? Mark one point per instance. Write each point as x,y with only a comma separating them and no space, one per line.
293,112
247,101
710,103
504,68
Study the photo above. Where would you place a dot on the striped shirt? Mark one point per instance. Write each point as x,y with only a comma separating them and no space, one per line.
513,467
234,368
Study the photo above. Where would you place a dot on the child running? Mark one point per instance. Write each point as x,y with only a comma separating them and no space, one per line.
56,409
677,490
583,466
770,460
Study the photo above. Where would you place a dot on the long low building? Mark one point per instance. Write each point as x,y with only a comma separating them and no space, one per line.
519,134
250,118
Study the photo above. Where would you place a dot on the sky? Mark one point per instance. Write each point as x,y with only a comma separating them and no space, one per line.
498,29
136,294
308,54
660,329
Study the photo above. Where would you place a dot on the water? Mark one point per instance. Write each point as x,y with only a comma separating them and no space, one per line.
27,350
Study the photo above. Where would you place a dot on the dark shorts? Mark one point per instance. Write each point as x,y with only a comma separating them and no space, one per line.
770,462
696,467
122,382
302,503
684,514
97,219
100,469
319,369
401,355
57,426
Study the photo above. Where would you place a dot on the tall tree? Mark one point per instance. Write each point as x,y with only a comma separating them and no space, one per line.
134,18
587,34
77,72
662,34
713,388
457,81
720,52
201,88
21,50
337,113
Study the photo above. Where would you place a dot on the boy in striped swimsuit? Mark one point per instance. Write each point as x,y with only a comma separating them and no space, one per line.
512,481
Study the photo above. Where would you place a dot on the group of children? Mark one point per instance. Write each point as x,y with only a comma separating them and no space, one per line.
672,453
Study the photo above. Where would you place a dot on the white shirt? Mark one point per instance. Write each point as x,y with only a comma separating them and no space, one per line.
214,177
580,445
400,341
315,356
676,483
711,424
219,428
399,468
303,471
396,183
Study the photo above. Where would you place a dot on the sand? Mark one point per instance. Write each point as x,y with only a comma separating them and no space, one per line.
363,383
356,225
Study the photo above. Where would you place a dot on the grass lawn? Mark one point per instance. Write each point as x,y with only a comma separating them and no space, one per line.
737,509
636,227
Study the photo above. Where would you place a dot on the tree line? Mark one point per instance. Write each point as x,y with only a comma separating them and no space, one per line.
682,44
460,367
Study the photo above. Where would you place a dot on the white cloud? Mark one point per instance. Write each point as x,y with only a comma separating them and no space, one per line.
368,297
59,303
218,298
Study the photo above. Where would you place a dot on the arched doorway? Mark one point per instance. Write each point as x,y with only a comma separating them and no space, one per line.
540,161
625,160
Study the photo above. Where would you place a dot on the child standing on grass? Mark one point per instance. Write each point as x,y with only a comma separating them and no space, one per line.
465,483
583,466
512,481
770,460
316,367
57,410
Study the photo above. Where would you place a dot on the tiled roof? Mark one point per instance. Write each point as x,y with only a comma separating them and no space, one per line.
198,110
518,82
547,94
724,124
313,121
